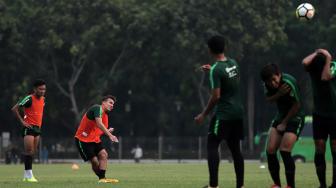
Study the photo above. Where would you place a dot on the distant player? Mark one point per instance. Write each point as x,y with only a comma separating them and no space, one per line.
288,123
322,71
31,122
94,124
227,122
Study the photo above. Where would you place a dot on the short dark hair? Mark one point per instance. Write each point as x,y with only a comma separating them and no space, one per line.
109,97
38,82
268,71
317,63
216,44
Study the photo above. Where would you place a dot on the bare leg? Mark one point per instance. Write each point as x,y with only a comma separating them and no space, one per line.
29,150
273,143
102,158
95,165
29,145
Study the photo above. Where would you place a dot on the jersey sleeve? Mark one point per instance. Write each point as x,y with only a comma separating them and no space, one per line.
94,112
333,69
26,102
294,90
215,78
97,112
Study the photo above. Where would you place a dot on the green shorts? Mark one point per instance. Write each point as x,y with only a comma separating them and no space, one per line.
33,131
295,126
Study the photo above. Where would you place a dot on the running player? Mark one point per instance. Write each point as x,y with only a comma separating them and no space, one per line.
94,124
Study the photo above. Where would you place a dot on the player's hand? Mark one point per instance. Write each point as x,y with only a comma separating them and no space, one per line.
25,124
114,138
284,89
199,118
281,127
111,130
205,67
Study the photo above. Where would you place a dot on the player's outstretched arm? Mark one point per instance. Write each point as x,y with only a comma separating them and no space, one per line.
105,130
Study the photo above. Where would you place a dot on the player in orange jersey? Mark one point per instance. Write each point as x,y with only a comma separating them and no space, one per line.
31,122
94,124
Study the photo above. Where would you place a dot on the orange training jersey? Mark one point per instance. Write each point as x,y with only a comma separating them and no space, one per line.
88,130
33,109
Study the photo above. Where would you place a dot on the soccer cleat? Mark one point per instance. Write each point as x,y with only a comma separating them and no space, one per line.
288,186
32,179
275,186
209,187
108,180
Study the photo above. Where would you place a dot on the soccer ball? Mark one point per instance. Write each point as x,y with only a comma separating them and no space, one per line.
305,11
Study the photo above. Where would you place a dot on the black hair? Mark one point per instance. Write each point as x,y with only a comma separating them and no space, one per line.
38,82
216,44
317,63
268,71
109,97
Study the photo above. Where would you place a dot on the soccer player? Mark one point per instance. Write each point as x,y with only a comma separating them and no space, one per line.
322,71
31,122
287,125
93,124
227,123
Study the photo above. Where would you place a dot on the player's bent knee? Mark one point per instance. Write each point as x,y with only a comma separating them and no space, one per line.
103,155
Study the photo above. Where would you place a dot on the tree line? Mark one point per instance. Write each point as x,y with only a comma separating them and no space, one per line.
146,53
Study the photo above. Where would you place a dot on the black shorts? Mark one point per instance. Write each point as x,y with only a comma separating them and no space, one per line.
324,127
33,131
226,129
88,150
292,126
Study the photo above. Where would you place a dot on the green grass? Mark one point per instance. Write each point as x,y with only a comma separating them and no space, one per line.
150,176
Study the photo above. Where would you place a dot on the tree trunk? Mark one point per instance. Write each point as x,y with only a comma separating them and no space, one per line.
250,110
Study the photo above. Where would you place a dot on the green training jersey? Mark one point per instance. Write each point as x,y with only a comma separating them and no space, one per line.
26,101
225,75
324,93
285,102
94,111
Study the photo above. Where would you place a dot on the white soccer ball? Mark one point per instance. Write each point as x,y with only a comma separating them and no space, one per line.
305,11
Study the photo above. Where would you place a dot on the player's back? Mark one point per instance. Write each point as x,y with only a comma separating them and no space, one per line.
230,102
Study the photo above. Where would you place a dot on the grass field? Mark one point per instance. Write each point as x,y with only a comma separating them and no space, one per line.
150,176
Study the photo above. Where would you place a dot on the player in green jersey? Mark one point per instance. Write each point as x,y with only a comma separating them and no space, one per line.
287,125
227,121
322,72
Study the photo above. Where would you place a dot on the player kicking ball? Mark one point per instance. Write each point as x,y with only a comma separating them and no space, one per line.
94,124
287,125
